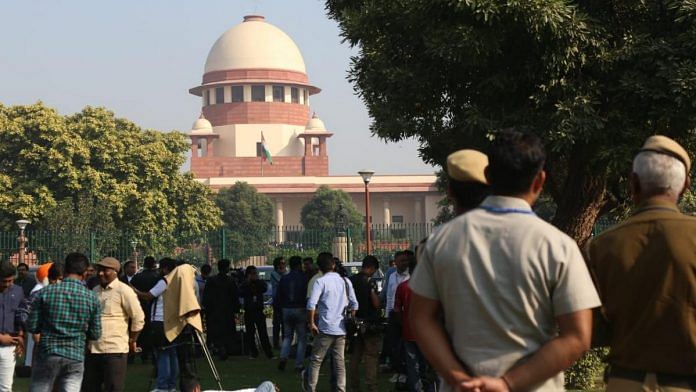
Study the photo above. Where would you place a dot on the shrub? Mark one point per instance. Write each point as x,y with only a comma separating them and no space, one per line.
587,370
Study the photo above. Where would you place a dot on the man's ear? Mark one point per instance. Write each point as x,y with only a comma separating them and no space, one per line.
687,185
539,181
450,193
634,185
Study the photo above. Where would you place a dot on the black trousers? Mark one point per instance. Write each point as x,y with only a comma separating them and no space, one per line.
185,351
256,321
222,333
145,341
105,372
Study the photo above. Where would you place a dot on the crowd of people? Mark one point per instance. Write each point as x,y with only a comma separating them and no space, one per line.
497,299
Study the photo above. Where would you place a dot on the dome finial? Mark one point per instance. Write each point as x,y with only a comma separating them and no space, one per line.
254,18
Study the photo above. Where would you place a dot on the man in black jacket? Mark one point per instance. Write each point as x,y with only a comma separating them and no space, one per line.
367,344
221,303
144,281
254,319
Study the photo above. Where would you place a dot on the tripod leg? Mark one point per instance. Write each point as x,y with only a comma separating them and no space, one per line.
209,358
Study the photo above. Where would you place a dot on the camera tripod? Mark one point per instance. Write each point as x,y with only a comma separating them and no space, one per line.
185,344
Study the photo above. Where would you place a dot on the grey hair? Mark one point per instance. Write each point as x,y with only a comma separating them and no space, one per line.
659,173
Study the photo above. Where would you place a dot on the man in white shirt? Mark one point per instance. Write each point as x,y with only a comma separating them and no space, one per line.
167,362
326,308
514,290
129,270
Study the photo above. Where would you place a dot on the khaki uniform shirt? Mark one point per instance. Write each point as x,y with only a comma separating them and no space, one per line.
119,305
645,270
502,277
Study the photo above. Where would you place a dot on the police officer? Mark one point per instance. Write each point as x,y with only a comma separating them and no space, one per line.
644,269
502,276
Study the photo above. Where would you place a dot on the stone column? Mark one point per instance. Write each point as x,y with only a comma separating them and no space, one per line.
387,212
194,147
280,221
339,247
307,146
417,211
209,150
322,146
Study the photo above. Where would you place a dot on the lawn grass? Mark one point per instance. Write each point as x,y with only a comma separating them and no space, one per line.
236,373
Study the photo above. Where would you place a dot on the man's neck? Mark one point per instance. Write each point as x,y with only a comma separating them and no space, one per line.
74,276
655,199
528,197
107,283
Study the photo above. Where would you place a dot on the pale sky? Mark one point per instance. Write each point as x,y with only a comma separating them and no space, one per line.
139,58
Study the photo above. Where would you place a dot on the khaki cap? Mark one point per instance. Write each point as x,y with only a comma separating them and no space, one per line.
664,145
467,166
110,262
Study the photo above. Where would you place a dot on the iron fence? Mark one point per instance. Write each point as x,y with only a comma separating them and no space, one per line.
241,246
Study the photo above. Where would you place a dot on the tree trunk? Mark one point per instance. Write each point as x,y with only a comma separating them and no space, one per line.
581,198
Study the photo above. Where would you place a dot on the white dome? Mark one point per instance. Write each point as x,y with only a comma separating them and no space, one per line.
315,124
202,125
254,44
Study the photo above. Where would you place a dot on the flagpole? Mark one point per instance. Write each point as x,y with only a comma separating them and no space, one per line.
261,166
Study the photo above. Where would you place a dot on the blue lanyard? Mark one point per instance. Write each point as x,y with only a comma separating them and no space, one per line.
502,210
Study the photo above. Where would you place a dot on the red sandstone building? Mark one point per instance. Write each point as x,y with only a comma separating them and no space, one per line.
255,86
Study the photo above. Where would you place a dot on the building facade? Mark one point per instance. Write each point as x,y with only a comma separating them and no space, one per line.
255,96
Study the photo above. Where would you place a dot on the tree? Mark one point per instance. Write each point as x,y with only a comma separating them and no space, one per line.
593,78
321,210
54,166
248,217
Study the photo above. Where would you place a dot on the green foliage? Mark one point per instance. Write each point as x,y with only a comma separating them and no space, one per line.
94,171
584,373
320,212
445,208
248,217
592,78
71,224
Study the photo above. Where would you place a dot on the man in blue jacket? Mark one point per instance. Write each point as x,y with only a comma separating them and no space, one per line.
291,298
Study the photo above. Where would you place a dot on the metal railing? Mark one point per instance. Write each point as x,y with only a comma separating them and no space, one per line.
241,246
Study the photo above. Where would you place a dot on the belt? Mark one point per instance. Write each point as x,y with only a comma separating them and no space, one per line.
663,379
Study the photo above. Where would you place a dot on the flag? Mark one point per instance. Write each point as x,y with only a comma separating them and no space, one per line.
266,154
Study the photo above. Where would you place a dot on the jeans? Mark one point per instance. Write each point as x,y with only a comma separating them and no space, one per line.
322,344
65,374
277,325
7,366
167,368
105,372
417,369
395,345
366,349
294,320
